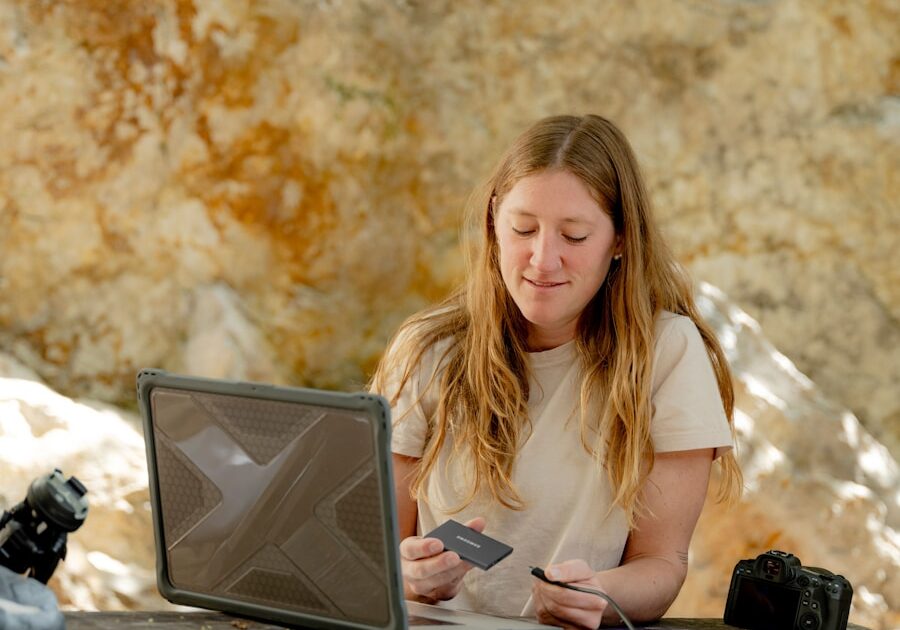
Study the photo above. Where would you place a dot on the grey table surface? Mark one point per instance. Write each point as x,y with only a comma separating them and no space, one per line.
160,620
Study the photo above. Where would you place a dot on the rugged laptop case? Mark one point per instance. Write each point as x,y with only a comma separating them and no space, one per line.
272,502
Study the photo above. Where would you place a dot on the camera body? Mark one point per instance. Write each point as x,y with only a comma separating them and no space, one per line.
775,592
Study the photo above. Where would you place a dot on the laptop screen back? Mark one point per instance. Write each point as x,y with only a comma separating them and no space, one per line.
272,502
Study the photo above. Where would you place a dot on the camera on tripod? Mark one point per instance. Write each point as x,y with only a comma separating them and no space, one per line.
774,592
33,533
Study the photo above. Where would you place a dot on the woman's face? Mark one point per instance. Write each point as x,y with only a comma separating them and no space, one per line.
556,244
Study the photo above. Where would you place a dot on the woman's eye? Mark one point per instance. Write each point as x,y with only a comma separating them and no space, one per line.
522,232
576,239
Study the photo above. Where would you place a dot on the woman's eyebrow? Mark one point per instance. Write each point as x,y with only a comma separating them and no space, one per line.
525,213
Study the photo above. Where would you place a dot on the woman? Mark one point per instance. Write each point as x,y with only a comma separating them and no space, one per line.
567,400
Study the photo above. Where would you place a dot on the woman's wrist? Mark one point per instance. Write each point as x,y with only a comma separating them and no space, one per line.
410,595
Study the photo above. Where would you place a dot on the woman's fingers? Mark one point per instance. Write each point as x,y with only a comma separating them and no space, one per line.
443,585
429,570
569,616
543,614
416,547
573,608
569,571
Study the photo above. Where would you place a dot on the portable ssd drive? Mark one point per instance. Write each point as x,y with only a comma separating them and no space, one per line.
474,547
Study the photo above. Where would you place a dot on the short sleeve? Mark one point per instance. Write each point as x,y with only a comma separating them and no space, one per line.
411,410
409,424
408,437
687,408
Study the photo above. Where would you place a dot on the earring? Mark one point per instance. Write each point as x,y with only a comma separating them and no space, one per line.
617,257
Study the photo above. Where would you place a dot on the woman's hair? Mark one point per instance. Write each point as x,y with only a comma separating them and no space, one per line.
482,386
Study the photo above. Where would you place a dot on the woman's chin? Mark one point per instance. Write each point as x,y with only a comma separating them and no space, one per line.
555,328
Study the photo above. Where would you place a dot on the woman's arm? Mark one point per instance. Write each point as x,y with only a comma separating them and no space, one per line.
407,512
430,574
654,564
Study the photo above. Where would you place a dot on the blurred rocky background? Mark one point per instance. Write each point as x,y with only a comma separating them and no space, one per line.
264,189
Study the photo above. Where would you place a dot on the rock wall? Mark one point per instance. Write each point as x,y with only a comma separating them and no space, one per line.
285,177
263,190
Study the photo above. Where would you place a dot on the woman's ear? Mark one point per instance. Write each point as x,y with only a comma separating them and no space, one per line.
618,247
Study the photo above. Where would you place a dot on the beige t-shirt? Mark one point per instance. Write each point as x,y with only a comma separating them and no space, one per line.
566,495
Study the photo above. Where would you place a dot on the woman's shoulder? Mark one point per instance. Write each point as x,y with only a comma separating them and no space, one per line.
673,331
426,326
666,320
428,334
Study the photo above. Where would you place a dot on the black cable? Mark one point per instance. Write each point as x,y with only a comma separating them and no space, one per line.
539,573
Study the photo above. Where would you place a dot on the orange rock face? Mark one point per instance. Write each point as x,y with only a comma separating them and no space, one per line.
264,190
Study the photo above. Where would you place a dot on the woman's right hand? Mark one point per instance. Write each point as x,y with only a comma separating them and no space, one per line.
431,574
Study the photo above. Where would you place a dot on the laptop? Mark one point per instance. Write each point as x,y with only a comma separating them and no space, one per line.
278,503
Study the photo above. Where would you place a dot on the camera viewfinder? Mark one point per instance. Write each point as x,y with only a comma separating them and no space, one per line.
772,568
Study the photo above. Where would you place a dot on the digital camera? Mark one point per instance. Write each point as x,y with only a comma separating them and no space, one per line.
774,592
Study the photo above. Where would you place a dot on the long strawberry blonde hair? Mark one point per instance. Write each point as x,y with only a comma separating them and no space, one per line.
482,386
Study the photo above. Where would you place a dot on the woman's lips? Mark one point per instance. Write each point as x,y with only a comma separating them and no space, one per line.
543,284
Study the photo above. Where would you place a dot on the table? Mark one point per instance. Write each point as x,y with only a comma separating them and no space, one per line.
159,620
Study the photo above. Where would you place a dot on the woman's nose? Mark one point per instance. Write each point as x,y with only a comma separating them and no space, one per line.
545,254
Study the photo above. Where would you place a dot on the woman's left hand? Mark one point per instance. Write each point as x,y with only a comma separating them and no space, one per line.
558,606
